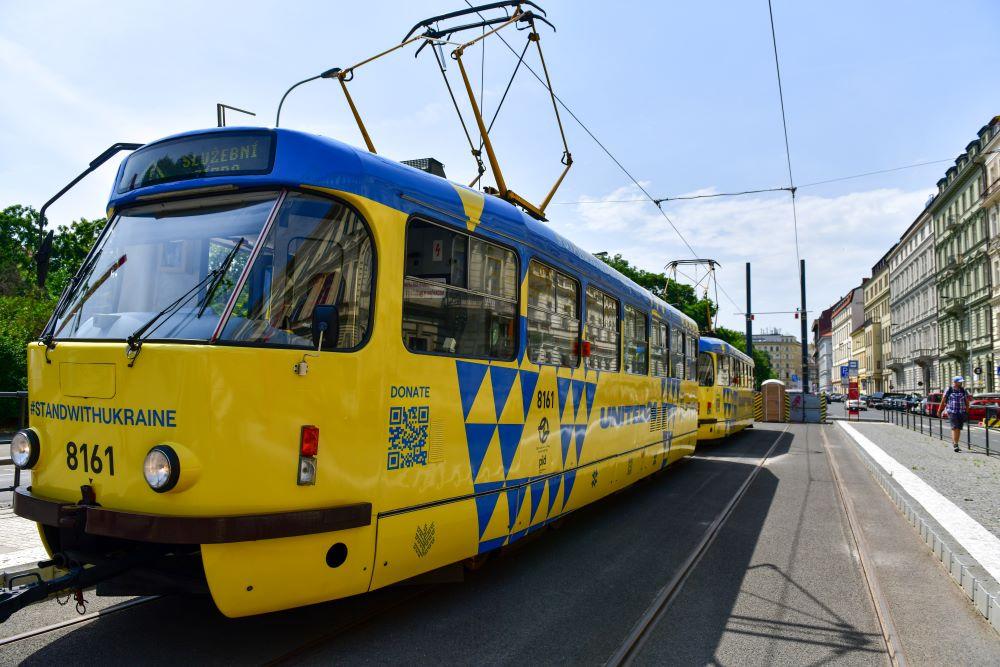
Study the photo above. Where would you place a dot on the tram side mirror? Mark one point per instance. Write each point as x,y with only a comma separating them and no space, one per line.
325,326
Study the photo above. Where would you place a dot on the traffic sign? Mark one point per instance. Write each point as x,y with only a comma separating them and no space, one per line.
844,372
852,364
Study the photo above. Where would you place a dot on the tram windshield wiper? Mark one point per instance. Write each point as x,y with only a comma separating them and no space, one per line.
213,278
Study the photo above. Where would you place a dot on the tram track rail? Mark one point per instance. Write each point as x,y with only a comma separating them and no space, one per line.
641,631
883,615
83,618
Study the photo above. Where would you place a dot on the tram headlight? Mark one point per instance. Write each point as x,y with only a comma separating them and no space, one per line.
24,449
161,468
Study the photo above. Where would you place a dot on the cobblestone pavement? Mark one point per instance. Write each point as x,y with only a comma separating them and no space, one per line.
968,479
19,541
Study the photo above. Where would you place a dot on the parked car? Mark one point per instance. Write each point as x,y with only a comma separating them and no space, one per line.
977,407
911,403
893,400
933,403
856,404
836,398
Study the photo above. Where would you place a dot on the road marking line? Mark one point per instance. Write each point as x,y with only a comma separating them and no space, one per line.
980,543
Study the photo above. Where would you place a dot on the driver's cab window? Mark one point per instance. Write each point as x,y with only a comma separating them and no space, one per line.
315,264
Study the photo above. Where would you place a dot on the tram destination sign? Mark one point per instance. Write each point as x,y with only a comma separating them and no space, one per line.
200,156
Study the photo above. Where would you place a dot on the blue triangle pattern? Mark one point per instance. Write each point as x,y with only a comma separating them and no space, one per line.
477,437
536,496
591,393
485,505
581,433
470,378
518,535
490,545
577,395
562,384
570,478
510,438
553,491
502,380
566,433
528,381
515,497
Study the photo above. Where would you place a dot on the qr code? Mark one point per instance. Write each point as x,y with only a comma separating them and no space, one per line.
408,429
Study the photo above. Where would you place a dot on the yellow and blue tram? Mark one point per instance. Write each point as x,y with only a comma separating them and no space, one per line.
285,355
725,389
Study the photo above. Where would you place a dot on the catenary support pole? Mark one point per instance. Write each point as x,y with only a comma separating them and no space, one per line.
749,316
805,328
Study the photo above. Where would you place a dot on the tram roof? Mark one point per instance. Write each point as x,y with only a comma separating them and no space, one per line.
719,346
303,159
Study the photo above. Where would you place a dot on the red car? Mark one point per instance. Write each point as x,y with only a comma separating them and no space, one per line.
934,403
977,407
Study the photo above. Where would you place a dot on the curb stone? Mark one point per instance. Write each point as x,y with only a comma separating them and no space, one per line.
981,589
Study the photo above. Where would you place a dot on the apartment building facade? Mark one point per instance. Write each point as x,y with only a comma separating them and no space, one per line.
964,281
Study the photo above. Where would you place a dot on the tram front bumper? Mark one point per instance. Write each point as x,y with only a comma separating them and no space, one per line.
163,529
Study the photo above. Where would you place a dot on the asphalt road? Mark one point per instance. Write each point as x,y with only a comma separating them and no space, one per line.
781,584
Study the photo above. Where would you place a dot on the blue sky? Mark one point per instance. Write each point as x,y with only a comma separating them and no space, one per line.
683,93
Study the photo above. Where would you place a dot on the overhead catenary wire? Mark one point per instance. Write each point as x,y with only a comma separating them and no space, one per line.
784,127
607,152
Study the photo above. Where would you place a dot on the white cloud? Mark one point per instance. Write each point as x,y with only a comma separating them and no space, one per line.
839,237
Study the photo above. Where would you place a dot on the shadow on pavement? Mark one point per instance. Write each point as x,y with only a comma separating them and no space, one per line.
570,595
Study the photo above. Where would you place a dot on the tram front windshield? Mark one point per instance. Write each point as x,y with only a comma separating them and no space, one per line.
162,256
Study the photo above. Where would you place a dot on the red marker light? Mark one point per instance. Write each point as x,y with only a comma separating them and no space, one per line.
309,441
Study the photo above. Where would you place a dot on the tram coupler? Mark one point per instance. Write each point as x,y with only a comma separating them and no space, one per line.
14,597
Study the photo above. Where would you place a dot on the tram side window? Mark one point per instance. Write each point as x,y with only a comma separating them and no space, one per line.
553,317
676,353
706,370
659,349
636,343
602,330
318,253
691,358
724,375
459,294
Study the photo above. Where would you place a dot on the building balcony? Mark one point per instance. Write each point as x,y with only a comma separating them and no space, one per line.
954,308
992,194
895,362
957,349
994,246
924,356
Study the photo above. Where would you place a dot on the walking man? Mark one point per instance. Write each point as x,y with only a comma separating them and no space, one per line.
955,406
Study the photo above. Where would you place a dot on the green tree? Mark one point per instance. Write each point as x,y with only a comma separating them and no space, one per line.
70,246
24,308
681,296
762,362
18,239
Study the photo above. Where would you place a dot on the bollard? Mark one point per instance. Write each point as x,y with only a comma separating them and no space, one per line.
940,426
968,434
988,419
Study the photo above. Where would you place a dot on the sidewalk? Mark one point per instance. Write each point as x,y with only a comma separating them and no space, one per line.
970,480
951,498
19,542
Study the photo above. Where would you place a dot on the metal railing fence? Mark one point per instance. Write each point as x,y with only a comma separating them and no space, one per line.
5,435
977,437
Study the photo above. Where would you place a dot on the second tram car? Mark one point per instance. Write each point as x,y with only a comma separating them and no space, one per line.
291,371
725,389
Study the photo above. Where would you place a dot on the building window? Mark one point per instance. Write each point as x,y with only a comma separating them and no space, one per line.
459,294
553,317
